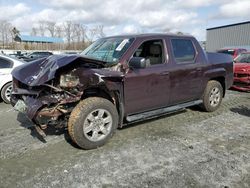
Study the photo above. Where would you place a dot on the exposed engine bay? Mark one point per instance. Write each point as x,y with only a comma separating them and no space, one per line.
49,96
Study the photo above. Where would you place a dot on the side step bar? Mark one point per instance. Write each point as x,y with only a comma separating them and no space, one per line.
162,111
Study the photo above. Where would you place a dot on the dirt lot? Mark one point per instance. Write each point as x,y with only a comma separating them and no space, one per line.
186,149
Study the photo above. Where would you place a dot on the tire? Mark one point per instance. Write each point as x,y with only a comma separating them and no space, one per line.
6,92
92,122
212,96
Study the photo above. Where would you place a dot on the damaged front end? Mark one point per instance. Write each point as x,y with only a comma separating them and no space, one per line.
241,77
45,105
241,81
47,91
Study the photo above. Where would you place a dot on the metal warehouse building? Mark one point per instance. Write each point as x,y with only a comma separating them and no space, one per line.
234,35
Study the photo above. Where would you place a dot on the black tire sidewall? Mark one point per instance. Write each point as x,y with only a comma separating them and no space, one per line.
79,136
206,104
3,92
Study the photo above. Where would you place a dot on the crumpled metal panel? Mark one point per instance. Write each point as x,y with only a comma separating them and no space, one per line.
40,71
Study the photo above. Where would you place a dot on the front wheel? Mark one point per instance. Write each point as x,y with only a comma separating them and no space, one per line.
212,96
92,122
6,92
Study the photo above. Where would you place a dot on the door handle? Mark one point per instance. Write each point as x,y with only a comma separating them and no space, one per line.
164,73
199,69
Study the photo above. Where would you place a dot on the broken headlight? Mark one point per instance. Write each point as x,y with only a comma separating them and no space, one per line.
69,80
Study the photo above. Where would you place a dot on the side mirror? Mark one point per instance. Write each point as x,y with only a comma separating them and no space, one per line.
138,63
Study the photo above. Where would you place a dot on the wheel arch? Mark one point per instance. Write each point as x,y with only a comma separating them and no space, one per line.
221,80
4,85
217,74
3,94
114,96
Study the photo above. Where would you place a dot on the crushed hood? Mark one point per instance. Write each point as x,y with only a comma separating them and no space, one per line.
38,72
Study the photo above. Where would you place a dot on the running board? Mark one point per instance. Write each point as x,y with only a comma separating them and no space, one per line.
162,111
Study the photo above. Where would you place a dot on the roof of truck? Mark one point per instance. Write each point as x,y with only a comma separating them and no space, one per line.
150,35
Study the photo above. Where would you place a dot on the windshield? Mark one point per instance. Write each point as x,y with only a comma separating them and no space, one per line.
109,50
230,52
243,58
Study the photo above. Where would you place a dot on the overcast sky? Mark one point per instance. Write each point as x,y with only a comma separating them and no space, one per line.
129,16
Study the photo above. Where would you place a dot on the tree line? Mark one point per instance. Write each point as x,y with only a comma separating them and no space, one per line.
76,35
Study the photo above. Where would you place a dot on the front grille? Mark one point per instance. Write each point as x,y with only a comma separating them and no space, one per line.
20,88
240,75
18,84
22,85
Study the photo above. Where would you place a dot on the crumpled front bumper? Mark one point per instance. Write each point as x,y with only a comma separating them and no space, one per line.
42,112
241,83
31,107
241,87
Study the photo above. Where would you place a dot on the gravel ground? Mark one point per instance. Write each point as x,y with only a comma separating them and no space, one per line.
186,149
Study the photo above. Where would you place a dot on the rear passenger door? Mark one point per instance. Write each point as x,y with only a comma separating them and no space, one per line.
185,72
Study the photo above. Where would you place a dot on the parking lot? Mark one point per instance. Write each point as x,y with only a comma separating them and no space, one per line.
186,149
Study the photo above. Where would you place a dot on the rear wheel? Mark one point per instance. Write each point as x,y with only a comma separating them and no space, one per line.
93,122
212,96
6,92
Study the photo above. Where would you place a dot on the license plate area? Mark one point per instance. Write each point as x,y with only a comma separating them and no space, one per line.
20,106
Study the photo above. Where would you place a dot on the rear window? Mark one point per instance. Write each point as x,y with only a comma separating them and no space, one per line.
183,50
4,63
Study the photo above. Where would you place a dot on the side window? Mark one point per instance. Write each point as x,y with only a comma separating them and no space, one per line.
4,64
183,50
152,50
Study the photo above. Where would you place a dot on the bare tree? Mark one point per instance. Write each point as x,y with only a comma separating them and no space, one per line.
51,27
78,35
179,33
5,32
166,30
84,30
68,31
58,31
79,32
34,31
95,33
15,31
76,32
100,31
42,27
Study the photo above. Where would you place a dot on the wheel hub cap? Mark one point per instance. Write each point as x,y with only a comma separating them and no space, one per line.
214,97
97,125
8,92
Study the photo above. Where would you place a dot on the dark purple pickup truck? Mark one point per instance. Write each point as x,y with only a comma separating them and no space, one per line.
118,80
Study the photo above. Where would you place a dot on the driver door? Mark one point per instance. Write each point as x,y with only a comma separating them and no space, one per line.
147,88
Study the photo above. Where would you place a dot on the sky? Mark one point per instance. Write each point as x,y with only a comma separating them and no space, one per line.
129,16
